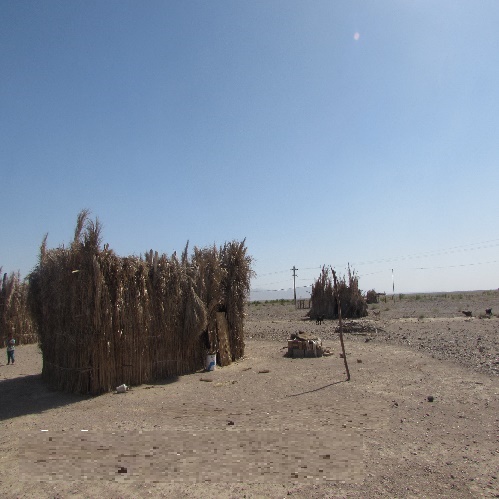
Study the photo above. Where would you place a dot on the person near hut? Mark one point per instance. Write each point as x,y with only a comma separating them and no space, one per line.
11,348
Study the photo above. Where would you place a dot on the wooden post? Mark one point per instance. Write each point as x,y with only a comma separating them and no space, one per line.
294,269
341,324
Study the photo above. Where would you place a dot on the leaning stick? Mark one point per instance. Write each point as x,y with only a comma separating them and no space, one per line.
341,324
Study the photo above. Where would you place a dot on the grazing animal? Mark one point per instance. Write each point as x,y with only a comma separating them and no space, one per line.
467,313
319,319
488,311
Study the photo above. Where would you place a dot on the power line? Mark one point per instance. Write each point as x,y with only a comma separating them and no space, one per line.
428,254
372,273
457,265
272,273
445,251
259,290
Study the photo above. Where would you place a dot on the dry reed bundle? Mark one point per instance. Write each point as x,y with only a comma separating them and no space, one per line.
353,304
322,297
235,286
372,297
15,315
208,275
106,320
165,302
325,303
64,294
179,316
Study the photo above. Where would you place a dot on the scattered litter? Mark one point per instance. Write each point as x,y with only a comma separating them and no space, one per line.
122,388
263,371
206,379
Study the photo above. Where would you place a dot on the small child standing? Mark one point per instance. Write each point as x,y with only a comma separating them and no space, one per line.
11,347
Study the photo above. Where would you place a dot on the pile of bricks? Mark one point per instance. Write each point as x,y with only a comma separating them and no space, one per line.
300,346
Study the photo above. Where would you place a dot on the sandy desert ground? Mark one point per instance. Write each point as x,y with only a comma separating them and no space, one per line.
273,426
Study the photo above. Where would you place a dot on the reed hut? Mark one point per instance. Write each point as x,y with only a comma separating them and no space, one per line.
106,320
15,314
372,297
325,303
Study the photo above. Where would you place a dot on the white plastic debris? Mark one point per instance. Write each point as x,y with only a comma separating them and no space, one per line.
122,388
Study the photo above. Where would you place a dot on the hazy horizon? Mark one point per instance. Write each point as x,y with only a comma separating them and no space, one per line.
288,294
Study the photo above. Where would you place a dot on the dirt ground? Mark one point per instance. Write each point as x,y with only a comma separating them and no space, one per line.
419,417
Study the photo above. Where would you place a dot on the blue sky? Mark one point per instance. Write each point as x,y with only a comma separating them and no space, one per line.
323,132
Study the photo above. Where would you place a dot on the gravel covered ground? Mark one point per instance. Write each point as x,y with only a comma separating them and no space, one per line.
419,417
433,323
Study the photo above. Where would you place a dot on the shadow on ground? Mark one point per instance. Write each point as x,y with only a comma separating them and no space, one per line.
29,395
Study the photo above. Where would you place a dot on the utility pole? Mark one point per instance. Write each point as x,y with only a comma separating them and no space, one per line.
294,269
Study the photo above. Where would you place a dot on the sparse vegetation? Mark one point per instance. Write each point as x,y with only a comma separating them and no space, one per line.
281,301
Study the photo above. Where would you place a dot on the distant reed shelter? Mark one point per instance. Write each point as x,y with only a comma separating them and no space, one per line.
105,320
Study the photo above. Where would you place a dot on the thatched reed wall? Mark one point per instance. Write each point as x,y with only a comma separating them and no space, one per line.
324,302
15,315
105,320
